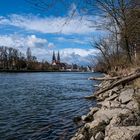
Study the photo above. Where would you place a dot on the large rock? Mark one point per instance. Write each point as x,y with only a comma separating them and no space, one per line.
123,133
126,95
89,116
92,138
115,104
105,104
105,94
106,138
131,119
116,120
102,97
99,136
109,104
79,137
110,113
95,126
132,105
93,110
84,117
112,97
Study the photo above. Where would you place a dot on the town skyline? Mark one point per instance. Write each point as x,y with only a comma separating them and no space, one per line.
12,59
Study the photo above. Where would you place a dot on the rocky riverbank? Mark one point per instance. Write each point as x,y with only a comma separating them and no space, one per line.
116,117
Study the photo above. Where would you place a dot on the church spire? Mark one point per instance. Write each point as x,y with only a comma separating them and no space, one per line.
58,57
53,57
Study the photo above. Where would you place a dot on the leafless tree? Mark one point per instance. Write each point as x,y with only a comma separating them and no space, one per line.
122,20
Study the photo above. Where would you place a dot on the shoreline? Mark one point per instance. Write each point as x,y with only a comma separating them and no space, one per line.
34,71
115,117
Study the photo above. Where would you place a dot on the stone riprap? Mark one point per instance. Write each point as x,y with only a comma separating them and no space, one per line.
116,117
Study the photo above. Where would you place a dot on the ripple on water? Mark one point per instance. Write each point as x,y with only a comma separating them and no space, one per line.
41,106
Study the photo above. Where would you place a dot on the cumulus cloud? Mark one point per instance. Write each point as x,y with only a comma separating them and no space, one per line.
18,41
12,41
78,55
79,51
69,55
33,41
76,25
51,45
39,46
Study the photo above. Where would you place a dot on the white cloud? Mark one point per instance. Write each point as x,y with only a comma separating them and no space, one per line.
69,55
12,41
39,46
51,45
78,55
76,25
18,41
84,40
79,51
33,41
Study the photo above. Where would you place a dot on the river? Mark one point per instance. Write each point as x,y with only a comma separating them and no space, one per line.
41,106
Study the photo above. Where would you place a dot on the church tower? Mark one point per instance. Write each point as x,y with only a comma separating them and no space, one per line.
58,58
53,59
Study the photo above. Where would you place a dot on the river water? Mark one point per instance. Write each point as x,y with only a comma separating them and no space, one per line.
41,106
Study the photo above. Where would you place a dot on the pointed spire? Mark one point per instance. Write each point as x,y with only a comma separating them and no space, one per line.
58,57
53,57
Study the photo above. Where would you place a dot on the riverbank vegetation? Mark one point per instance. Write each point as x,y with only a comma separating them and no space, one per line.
13,59
120,48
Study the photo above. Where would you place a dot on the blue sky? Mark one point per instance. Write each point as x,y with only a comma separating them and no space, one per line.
22,25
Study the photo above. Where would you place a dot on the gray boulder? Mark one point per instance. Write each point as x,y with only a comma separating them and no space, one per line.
112,97
132,105
110,113
126,95
99,136
89,116
123,133
95,126
92,138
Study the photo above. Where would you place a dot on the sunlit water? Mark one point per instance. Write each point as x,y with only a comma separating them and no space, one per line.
41,106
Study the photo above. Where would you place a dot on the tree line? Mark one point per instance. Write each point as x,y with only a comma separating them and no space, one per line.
13,59
121,46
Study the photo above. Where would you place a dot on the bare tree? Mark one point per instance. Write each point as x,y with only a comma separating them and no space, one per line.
29,54
122,20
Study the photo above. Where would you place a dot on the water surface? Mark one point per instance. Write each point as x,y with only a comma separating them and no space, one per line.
41,106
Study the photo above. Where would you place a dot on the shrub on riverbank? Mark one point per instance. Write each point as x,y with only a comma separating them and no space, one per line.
119,50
